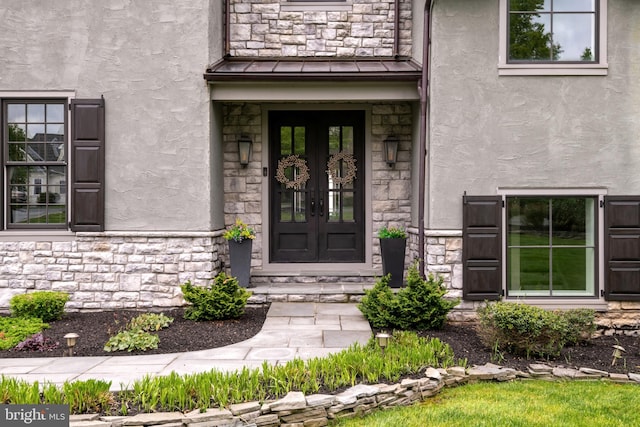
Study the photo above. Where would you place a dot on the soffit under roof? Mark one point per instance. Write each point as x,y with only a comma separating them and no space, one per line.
314,69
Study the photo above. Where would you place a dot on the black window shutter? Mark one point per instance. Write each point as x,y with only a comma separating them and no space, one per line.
482,247
622,248
87,164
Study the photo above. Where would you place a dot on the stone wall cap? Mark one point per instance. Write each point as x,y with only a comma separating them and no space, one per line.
293,400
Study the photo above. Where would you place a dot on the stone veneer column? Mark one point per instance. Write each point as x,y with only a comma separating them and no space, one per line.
243,185
391,185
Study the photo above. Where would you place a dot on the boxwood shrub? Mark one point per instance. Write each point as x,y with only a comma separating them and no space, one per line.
532,331
45,305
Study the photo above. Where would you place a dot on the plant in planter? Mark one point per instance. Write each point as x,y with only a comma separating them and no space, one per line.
393,244
240,237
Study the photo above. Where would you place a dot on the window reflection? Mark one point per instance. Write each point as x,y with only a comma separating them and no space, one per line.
37,173
551,245
545,31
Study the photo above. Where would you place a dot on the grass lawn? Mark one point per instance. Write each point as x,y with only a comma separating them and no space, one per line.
519,403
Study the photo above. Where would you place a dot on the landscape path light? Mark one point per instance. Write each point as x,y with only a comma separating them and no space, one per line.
617,353
71,338
382,338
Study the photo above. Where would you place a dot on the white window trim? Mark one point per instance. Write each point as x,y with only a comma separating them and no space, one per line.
599,69
595,302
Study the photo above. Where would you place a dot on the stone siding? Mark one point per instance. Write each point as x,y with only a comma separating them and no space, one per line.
359,28
106,271
390,186
243,185
621,318
443,252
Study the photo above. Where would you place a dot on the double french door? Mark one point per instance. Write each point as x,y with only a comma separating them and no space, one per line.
316,186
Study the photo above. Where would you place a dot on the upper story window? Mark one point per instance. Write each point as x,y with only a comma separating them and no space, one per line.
554,37
552,30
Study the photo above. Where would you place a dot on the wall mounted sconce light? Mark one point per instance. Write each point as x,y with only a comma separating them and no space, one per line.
244,148
391,150
71,339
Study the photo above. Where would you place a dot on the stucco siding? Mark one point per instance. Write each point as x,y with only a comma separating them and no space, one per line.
490,131
147,59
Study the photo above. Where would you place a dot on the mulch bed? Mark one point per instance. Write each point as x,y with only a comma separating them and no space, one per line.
95,328
182,335
597,354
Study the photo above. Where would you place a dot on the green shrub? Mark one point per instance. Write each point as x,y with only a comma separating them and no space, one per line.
420,305
132,340
150,322
582,324
379,304
532,331
222,299
14,330
45,305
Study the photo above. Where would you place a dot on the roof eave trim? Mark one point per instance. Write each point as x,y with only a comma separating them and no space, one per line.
310,77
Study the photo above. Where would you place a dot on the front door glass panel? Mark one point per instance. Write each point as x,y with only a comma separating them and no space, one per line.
293,200
342,174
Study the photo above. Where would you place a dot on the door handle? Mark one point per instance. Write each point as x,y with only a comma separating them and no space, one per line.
321,206
313,207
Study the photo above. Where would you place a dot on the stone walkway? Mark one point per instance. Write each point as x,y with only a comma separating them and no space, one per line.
291,330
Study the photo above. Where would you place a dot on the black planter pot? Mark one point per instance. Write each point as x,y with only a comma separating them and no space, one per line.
240,260
393,251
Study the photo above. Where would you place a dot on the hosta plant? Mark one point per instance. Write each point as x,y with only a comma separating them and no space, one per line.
132,340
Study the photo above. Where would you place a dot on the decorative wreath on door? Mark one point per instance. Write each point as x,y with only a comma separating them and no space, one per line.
350,169
296,162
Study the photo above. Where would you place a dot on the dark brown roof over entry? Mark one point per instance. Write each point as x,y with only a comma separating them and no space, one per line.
313,69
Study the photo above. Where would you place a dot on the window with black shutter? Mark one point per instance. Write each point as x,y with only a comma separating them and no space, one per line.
622,248
37,165
87,164
482,247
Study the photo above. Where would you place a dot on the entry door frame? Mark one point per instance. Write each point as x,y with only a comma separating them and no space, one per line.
319,268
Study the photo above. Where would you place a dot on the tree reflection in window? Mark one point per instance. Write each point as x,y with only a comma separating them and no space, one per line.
552,30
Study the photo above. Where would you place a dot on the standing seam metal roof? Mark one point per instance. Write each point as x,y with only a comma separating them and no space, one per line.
230,69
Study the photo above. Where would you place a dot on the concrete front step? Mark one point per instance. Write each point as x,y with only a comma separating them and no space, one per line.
308,292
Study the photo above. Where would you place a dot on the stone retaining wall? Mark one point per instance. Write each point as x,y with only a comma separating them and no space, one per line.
298,410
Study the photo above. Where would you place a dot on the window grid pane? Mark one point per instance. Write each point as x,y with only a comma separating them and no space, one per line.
35,164
552,31
551,246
